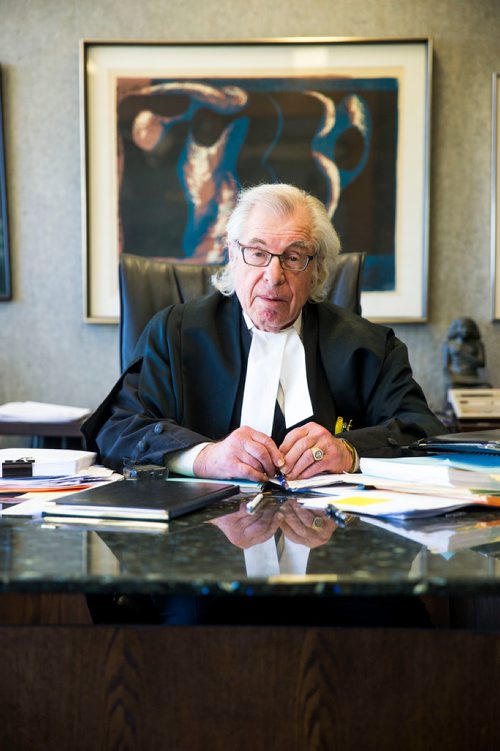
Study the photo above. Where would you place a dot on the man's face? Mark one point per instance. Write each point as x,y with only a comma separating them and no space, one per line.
273,297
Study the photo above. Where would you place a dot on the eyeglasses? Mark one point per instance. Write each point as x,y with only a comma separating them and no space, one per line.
291,260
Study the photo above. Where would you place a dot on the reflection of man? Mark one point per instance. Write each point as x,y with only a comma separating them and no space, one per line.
235,385
301,529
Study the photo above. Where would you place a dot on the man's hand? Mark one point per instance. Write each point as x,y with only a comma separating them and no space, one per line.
245,453
299,460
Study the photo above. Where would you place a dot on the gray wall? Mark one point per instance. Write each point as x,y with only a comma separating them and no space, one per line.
47,352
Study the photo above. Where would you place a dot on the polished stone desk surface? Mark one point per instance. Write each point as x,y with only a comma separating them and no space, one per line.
193,555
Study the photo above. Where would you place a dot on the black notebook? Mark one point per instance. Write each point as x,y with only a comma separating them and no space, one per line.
473,442
152,500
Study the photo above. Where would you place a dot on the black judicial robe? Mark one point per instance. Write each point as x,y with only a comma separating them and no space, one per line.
185,383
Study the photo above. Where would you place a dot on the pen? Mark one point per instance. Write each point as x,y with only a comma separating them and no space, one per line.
252,505
282,480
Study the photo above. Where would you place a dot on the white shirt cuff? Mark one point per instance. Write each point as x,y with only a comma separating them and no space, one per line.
183,461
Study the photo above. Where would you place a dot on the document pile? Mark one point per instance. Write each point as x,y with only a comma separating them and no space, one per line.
44,470
400,502
464,470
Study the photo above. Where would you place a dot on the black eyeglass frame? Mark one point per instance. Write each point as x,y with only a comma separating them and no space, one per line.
270,256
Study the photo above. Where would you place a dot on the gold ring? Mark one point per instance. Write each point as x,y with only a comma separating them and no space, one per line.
318,522
317,453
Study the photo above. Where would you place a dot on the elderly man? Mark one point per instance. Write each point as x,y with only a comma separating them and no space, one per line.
263,374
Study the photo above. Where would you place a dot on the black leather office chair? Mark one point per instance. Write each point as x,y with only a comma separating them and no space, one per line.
149,284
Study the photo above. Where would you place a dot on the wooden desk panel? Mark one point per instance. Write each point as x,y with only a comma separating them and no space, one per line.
218,688
29,609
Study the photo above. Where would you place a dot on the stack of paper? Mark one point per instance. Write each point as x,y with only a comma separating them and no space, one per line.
423,488
35,500
380,502
41,470
40,412
446,470
44,462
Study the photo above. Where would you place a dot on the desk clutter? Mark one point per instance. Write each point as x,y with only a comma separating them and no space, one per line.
445,473
33,463
449,474
35,470
66,485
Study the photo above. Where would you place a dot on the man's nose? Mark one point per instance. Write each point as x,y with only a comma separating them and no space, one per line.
274,273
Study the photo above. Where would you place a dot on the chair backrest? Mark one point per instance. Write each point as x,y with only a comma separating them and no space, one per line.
149,284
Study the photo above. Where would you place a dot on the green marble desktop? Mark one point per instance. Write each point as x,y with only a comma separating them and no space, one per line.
192,555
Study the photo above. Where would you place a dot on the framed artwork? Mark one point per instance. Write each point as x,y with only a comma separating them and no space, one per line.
172,131
495,197
5,285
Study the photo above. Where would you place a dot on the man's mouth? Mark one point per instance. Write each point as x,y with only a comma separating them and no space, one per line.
268,298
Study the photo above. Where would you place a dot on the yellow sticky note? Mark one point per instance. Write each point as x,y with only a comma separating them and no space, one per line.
356,500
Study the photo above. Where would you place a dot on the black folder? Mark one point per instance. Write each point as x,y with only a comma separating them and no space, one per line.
473,442
152,500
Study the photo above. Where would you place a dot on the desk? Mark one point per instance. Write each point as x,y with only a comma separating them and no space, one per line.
67,684
65,435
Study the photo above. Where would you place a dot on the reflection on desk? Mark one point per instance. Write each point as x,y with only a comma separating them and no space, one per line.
193,556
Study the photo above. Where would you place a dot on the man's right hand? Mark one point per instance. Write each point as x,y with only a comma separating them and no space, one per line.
245,453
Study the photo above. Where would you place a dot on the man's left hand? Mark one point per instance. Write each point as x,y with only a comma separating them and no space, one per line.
311,450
